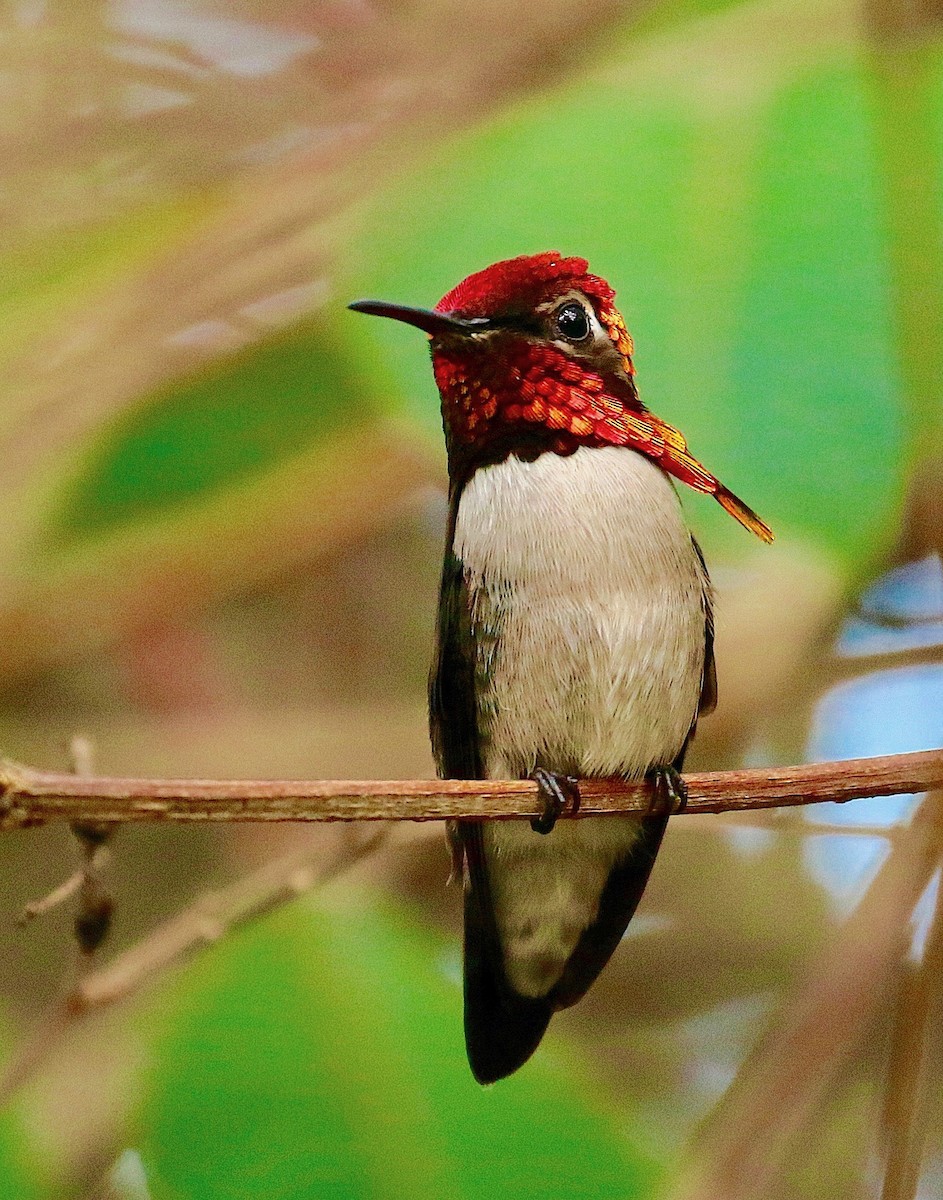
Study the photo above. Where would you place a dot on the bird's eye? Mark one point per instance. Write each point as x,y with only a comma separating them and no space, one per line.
572,322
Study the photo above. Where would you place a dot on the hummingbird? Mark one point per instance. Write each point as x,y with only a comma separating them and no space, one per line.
574,635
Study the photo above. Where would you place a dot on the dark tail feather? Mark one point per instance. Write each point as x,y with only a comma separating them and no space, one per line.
502,1028
622,893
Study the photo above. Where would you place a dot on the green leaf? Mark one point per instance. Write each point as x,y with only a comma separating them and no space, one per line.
319,1053
18,1177
227,425
813,377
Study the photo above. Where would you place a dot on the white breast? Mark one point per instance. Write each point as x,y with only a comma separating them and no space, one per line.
588,602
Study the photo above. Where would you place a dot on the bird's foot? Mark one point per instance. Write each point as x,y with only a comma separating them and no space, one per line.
670,792
556,791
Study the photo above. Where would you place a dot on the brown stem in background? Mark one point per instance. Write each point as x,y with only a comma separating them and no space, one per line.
912,1076
900,21
29,797
215,914
205,921
781,1087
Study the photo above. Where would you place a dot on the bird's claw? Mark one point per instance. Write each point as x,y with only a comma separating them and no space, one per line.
556,791
669,791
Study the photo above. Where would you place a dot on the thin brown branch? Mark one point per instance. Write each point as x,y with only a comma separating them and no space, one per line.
210,917
215,914
30,797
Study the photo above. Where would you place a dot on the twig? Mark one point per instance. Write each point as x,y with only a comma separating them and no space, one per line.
215,914
64,891
95,906
205,921
30,797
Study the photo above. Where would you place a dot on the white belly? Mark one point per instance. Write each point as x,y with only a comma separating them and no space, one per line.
588,606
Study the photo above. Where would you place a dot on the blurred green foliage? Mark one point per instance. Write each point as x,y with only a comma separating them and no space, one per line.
47,281
319,1053
22,1172
748,245
245,414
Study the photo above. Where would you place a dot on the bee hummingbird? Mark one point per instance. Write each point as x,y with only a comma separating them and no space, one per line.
574,631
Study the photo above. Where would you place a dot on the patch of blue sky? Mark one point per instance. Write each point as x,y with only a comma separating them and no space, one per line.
912,592
903,610
885,712
892,711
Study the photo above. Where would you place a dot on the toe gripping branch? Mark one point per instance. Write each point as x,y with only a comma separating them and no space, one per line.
556,792
669,795
669,791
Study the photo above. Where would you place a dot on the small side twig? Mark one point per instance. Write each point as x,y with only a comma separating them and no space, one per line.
209,918
93,919
59,895
214,915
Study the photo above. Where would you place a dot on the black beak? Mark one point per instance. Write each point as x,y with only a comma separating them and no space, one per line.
433,323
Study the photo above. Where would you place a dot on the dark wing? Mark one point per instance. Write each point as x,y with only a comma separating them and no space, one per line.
502,1029
708,701
628,878
453,712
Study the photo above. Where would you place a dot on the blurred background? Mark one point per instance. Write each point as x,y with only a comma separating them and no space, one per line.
221,522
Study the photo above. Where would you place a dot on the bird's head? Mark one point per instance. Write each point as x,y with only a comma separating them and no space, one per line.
531,355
